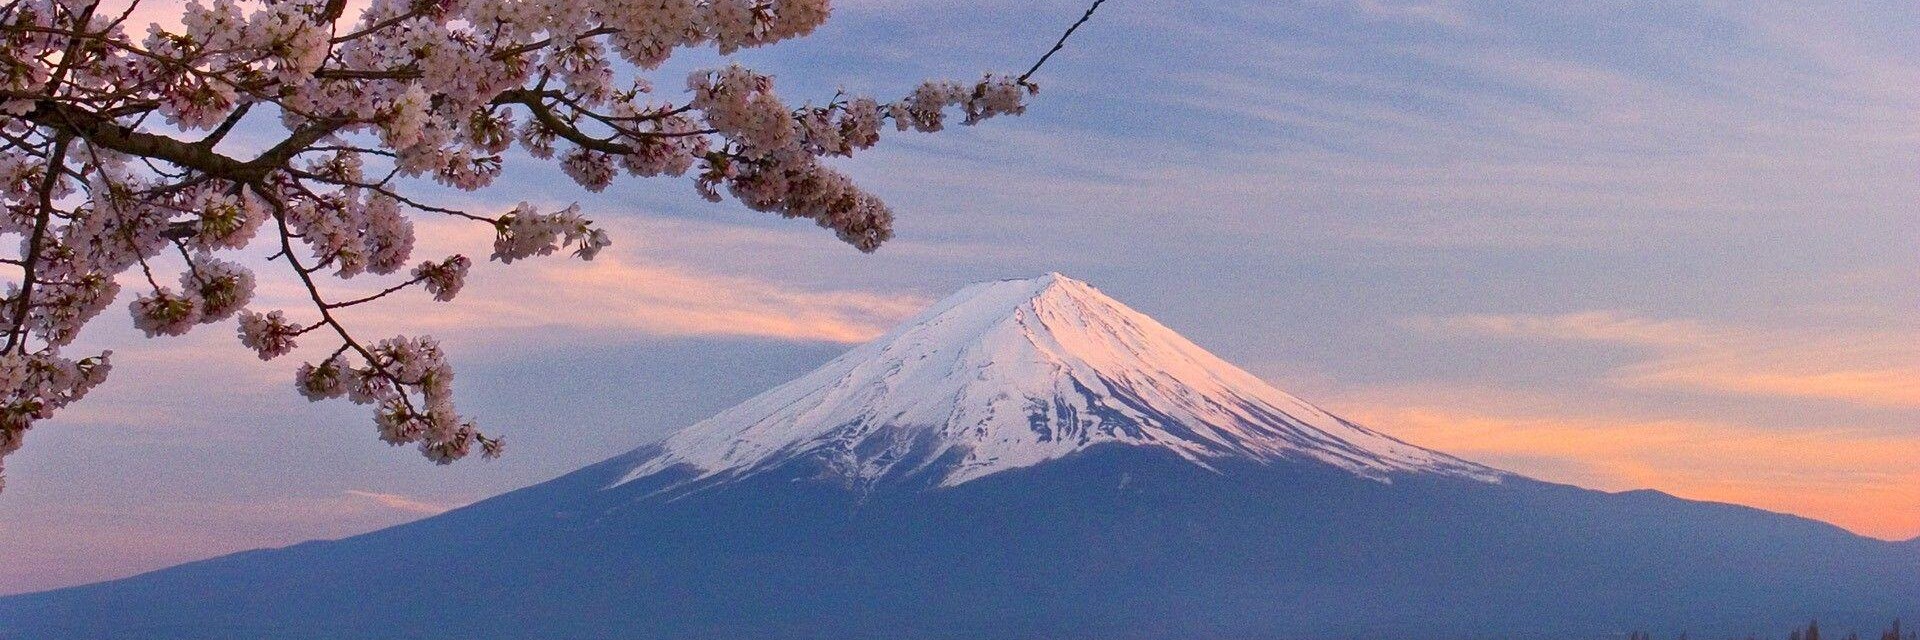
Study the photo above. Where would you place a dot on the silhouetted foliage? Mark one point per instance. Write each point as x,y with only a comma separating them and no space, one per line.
1809,632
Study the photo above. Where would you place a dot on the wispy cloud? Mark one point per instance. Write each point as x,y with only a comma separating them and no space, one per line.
1438,13
84,540
1865,481
613,295
637,287
1865,367
401,502
1600,326
641,287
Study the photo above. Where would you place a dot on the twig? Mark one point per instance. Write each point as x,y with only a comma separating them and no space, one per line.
1062,42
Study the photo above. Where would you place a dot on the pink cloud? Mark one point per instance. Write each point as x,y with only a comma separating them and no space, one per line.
401,503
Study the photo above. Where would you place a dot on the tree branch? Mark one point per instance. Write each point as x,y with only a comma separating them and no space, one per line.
18,337
1061,43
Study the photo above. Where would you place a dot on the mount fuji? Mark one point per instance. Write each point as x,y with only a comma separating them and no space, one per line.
1008,375
1026,459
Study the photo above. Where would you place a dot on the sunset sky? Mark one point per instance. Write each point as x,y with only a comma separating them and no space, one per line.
1621,245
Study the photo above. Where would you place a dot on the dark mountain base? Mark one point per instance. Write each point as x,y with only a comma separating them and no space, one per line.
1112,544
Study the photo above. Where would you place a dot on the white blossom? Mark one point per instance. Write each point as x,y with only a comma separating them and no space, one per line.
269,335
226,220
592,169
406,117
443,279
388,237
164,312
324,381
219,287
526,232
596,240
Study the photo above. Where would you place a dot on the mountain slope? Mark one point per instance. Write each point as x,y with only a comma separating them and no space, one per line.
1116,542
1028,459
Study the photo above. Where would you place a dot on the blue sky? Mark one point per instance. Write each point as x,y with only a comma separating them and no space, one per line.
1671,245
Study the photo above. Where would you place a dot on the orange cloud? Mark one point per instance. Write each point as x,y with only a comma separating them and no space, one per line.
1867,482
627,289
1783,373
1866,479
1871,368
614,294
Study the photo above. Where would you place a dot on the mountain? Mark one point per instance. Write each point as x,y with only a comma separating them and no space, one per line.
1011,374
1026,459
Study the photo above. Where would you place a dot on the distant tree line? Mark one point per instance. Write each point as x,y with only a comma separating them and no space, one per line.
1811,632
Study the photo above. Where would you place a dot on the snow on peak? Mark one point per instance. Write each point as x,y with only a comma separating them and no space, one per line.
1009,374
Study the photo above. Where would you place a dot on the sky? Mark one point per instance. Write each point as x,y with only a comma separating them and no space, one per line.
1622,245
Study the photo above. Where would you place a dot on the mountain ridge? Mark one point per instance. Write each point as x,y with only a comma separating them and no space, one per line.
1114,542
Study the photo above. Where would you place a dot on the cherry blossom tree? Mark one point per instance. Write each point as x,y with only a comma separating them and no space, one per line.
114,173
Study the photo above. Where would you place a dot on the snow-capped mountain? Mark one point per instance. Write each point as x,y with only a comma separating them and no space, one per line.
1027,459
1010,374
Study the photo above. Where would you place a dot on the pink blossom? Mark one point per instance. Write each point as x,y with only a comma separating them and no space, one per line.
443,279
219,287
327,380
268,335
367,103
165,313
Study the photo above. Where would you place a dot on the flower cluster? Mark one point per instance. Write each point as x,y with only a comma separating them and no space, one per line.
269,335
218,288
526,232
211,291
444,279
410,384
34,385
114,160
225,220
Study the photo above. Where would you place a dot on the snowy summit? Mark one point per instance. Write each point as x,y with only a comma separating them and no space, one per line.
1010,374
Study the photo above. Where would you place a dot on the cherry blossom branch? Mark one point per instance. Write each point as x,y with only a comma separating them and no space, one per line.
378,26
382,294
320,303
104,132
102,168
219,133
17,337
